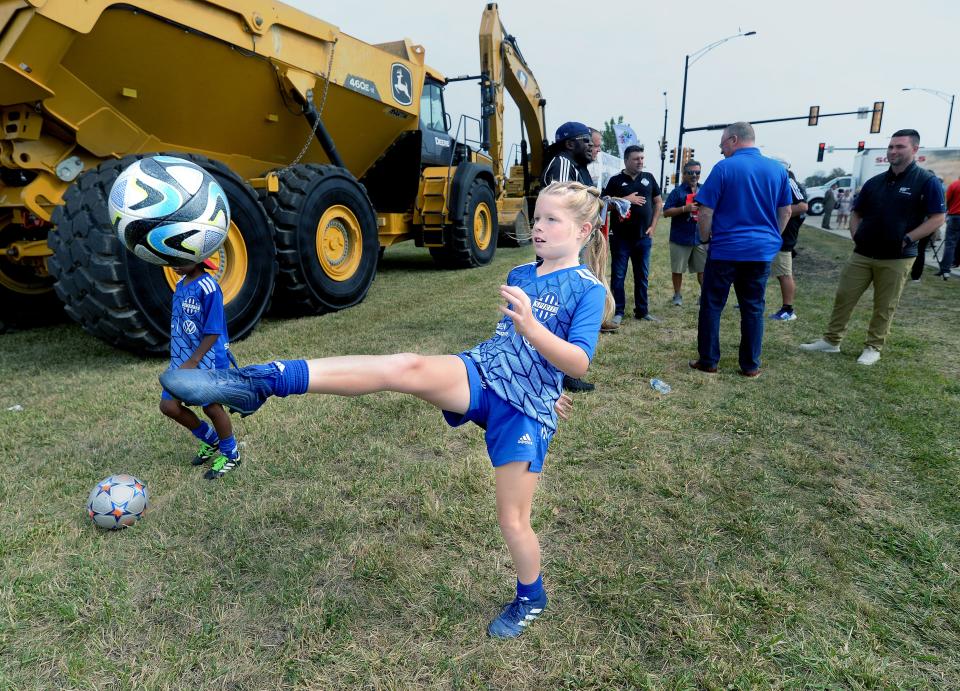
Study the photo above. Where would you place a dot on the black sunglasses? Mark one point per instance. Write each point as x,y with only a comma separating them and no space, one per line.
692,172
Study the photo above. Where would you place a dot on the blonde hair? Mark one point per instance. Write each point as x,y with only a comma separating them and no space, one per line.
585,205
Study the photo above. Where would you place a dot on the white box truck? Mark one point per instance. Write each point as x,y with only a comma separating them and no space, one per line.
942,162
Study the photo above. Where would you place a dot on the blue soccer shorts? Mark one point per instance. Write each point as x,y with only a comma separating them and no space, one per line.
511,436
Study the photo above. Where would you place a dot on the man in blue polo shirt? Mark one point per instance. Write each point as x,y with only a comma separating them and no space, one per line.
744,207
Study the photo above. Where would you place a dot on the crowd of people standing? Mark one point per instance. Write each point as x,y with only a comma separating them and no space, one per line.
740,226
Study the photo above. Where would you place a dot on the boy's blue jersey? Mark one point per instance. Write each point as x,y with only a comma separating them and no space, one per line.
198,312
569,302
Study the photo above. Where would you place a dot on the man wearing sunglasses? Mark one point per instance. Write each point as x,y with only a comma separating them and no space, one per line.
687,255
573,151
572,154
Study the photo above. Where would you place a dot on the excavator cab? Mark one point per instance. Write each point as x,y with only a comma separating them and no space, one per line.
437,144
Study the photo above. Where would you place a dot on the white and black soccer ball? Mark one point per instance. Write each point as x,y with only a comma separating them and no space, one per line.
169,211
117,502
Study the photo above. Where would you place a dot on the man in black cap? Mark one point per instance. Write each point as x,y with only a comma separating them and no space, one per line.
571,155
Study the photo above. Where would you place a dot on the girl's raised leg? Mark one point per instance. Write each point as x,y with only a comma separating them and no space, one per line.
438,379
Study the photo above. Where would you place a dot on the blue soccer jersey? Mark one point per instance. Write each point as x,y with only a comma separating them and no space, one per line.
569,302
198,312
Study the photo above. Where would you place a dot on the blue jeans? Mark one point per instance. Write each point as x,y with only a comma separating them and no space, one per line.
638,252
749,280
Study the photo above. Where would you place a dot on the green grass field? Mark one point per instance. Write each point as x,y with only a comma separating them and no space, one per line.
798,530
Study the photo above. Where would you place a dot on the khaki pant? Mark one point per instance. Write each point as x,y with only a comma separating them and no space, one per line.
888,277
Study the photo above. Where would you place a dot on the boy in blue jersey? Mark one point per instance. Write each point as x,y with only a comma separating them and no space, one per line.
198,340
509,385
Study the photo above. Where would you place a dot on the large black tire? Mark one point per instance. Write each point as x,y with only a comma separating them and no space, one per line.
815,207
126,301
473,240
519,234
327,239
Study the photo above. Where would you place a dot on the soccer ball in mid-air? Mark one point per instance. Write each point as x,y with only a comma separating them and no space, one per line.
169,211
117,502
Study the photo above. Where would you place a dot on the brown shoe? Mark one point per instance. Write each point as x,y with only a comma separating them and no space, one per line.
609,327
697,365
751,374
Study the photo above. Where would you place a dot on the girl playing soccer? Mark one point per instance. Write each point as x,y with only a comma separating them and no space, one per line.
509,385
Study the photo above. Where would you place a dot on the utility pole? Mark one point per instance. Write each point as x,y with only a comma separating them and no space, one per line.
663,141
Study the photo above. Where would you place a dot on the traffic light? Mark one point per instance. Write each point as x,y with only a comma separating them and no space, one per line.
877,117
820,149
860,145
663,148
673,155
684,156
690,153
814,116
673,178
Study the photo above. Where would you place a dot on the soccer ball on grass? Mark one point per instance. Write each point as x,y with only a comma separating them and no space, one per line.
117,502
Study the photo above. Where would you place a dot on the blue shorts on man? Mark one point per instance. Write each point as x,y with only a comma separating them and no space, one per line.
510,435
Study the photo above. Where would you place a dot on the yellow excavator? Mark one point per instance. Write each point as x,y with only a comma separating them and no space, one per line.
328,148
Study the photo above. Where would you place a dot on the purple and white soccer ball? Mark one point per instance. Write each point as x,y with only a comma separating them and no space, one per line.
117,502
169,211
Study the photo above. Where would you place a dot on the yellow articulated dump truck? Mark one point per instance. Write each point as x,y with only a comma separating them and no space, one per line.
328,148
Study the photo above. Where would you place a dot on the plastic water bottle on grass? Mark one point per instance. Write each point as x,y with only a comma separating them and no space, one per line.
660,386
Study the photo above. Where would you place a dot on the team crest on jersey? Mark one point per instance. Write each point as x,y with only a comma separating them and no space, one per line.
189,326
545,307
191,305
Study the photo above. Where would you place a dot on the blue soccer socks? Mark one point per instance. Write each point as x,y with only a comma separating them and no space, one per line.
533,590
529,604
228,446
206,433
292,377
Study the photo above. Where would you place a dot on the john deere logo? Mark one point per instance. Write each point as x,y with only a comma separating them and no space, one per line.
401,83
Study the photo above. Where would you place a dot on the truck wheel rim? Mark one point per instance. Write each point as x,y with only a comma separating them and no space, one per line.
339,242
482,226
21,278
230,265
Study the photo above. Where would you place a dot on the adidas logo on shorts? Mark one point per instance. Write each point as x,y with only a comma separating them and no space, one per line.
525,439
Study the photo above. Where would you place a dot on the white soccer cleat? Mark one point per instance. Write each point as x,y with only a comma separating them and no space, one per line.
869,356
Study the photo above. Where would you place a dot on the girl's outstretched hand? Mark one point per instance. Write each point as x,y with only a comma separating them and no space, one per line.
521,312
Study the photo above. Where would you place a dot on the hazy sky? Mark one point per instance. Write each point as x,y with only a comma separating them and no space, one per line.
618,58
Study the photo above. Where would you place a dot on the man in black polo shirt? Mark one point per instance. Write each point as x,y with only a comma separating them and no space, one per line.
894,211
631,238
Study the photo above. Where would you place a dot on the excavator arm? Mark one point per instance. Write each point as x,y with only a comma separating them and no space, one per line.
502,66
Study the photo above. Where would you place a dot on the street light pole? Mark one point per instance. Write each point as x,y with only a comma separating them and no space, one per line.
948,98
663,141
687,61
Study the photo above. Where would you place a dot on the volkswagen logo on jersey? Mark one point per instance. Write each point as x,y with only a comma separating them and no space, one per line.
401,83
189,326
546,306
191,305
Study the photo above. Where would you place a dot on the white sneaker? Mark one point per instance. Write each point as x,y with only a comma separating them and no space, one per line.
617,319
821,346
678,299
869,356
